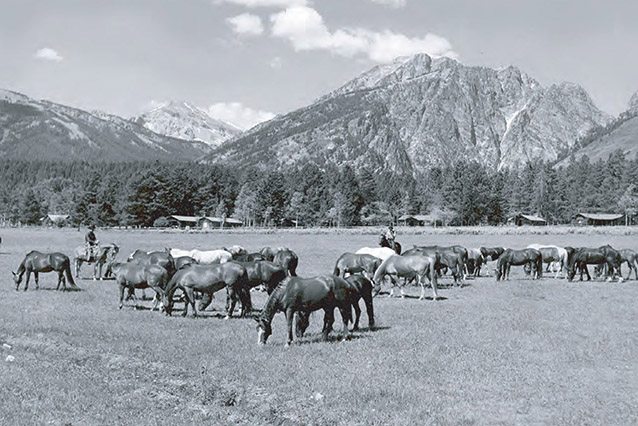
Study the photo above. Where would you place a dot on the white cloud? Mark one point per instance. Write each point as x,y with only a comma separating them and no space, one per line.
48,54
392,3
246,24
305,29
237,114
281,4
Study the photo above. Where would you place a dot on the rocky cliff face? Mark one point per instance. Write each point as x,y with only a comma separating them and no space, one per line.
185,121
419,112
33,129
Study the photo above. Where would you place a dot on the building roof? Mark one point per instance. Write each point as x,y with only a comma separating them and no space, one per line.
56,217
601,216
179,218
419,217
532,218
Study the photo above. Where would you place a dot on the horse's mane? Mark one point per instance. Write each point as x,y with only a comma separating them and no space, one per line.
273,299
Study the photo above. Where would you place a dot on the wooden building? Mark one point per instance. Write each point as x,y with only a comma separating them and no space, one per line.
528,219
599,219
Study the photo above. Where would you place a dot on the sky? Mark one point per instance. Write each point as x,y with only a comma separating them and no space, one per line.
247,60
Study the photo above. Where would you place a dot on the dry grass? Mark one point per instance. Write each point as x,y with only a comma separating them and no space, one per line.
517,352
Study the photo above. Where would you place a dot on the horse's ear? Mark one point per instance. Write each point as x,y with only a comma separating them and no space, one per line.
14,274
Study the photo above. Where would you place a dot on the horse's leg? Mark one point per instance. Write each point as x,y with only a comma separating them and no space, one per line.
357,312
328,320
290,315
122,288
159,293
36,278
26,283
421,282
190,295
587,272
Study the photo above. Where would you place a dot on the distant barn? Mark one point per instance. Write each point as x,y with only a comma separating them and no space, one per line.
419,220
55,219
528,219
205,222
599,219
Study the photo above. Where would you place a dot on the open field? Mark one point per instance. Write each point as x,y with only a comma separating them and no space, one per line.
517,352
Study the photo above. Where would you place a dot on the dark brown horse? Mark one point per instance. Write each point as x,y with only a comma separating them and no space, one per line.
593,256
352,263
130,276
631,257
306,295
250,257
491,253
36,262
517,258
288,260
270,252
207,279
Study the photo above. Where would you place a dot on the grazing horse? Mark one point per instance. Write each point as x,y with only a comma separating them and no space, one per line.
584,256
270,252
394,245
36,262
288,260
105,254
491,253
381,252
552,254
306,295
132,275
351,263
236,251
631,257
183,261
475,261
445,258
263,272
414,266
207,279
462,251
175,253
519,257
211,257
250,257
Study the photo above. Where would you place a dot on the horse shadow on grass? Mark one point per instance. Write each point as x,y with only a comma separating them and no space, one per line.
310,339
67,290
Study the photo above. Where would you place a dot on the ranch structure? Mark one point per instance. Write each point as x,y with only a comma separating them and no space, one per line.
599,219
528,219
55,219
204,222
420,220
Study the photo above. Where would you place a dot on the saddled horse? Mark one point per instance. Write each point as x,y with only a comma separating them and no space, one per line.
394,245
381,252
104,254
352,263
130,276
444,257
517,258
288,260
414,266
207,279
306,295
593,256
552,254
36,262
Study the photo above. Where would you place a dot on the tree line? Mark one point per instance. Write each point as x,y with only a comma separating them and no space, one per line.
146,193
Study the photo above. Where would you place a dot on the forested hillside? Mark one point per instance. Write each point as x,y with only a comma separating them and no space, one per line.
463,194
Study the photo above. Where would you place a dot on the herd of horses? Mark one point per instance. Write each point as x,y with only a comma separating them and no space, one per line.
356,276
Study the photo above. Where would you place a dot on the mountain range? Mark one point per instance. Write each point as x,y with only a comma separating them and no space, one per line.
405,116
419,112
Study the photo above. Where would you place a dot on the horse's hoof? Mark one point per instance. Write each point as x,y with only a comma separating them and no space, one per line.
227,317
287,345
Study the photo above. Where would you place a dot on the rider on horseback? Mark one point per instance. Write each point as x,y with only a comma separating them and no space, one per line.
390,236
91,243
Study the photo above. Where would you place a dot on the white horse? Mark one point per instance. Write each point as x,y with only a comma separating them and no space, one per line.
210,257
554,256
175,253
382,253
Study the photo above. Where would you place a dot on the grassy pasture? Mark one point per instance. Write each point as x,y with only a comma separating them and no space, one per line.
517,352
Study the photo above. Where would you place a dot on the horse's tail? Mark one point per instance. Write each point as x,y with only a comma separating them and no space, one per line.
539,267
69,276
499,268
